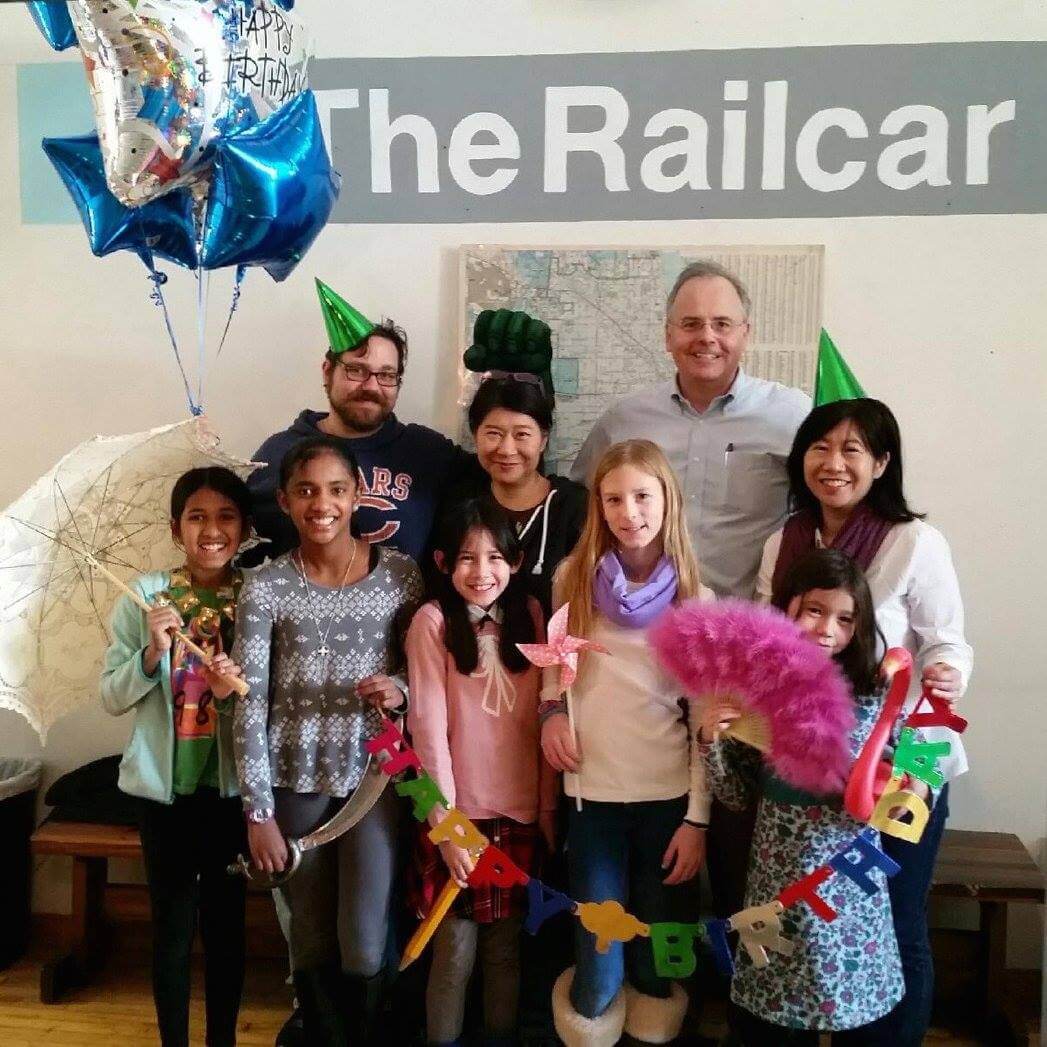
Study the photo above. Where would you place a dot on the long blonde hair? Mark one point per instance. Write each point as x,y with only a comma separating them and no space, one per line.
574,582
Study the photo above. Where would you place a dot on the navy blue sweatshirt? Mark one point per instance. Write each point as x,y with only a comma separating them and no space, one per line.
405,470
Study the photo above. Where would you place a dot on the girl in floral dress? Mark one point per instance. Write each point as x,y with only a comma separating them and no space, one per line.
844,973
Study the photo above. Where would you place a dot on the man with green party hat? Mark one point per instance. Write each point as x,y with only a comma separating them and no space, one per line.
404,468
833,379
346,327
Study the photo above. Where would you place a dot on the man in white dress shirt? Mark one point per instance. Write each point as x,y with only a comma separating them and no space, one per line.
725,433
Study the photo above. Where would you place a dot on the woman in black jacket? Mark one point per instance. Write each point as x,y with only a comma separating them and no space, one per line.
510,418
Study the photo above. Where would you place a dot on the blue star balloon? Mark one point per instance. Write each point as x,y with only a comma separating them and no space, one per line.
52,19
164,226
272,191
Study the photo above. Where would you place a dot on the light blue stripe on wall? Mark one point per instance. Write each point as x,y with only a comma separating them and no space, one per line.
53,102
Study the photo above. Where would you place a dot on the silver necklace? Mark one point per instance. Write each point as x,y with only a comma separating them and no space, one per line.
323,650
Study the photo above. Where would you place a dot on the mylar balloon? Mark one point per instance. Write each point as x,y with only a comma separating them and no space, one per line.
272,191
52,19
164,227
167,77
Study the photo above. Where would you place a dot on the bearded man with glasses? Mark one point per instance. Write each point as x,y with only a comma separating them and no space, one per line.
405,468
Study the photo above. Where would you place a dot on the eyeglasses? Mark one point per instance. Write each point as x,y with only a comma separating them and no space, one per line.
525,377
357,372
718,324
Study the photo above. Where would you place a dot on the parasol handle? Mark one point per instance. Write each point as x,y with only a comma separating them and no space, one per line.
860,794
238,685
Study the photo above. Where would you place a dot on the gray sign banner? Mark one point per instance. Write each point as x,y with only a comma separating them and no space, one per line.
771,133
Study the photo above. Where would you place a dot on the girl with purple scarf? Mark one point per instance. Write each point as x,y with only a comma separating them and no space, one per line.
845,475
638,834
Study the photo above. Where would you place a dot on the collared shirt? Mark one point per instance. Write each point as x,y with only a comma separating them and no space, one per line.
477,735
480,616
729,459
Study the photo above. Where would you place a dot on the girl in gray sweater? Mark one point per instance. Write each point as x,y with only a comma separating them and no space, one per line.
318,640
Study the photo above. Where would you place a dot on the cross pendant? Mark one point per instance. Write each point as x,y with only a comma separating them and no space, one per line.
323,650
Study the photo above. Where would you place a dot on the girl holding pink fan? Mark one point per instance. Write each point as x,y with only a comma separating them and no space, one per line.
639,834
844,972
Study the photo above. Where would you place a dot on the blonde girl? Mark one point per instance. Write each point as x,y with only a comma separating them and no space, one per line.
640,834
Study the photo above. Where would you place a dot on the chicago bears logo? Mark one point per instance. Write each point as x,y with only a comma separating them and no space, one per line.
382,494
389,528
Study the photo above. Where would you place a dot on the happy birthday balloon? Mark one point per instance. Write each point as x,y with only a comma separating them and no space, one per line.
168,77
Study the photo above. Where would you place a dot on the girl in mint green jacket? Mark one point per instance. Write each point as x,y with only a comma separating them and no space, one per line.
179,760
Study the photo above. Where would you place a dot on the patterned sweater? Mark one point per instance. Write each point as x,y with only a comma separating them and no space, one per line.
302,726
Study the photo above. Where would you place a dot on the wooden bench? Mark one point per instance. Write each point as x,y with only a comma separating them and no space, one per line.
993,869
90,847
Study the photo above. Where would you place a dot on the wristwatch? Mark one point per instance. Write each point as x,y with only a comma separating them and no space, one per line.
259,816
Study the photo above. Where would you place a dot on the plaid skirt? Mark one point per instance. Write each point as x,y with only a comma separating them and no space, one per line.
427,874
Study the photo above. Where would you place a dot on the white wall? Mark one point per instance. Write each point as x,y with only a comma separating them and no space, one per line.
941,317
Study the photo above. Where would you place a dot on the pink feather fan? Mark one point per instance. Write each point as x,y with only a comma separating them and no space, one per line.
753,658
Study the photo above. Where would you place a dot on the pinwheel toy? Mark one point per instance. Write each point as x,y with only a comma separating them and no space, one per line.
562,649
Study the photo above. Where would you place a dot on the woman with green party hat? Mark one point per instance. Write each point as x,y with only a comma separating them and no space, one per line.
845,479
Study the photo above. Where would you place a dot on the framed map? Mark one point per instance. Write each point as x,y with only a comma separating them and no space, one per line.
606,308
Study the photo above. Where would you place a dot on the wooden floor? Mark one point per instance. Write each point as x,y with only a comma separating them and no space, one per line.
117,1010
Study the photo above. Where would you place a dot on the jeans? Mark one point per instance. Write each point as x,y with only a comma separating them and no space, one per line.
614,852
187,846
906,1025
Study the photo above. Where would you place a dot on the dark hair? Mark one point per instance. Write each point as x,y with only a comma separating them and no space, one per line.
212,478
313,447
384,329
831,569
517,623
512,395
879,432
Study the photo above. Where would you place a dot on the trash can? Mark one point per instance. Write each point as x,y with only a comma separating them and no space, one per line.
19,780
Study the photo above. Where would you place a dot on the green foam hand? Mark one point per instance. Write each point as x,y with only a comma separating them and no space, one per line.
510,340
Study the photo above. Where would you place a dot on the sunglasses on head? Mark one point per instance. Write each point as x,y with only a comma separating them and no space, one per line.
525,377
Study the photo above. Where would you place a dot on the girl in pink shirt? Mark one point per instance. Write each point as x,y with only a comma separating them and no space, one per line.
474,726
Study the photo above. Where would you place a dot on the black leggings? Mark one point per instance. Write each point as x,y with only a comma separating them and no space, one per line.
755,1032
187,846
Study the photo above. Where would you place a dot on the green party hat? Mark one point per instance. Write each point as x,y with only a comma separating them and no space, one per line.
346,327
833,380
